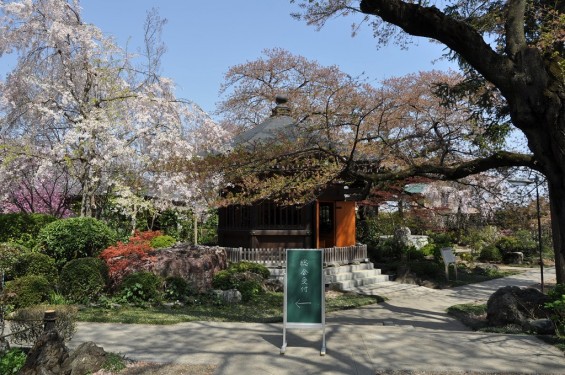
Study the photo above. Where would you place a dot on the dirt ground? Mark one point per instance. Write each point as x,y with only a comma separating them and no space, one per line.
144,368
147,368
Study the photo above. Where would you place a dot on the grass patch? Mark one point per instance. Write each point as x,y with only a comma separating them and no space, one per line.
474,316
349,301
114,362
471,314
265,308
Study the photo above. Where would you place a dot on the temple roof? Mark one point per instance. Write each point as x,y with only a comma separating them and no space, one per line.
280,124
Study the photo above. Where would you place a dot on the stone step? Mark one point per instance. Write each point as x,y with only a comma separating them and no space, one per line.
348,268
342,276
351,285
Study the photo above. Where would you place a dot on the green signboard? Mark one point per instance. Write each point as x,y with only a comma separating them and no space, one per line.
304,286
304,292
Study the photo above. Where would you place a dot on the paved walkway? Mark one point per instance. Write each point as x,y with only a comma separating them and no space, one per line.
409,332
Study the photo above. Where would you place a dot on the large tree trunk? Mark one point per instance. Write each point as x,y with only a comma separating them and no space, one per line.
557,204
532,82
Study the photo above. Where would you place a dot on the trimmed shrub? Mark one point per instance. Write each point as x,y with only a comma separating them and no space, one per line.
27,291
414,254
25,322
83,280
490,253
246,277
35,264
426,269
386,249
23,228
177,289
73,238
9,254
140,287
256,268
162,241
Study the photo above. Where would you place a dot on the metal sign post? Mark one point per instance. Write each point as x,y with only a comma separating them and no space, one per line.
304,302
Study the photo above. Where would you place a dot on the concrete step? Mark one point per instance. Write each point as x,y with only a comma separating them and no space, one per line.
345,277
351,285
348,268
342,276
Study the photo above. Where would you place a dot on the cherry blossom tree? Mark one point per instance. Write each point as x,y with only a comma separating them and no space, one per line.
77,100
346,128
30,188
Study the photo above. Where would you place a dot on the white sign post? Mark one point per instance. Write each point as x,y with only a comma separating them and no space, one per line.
449,258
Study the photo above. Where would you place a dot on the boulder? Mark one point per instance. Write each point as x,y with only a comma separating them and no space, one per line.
514,305
541,326
485,269
47,356
85,359
402,236
50,356
195,264
230,296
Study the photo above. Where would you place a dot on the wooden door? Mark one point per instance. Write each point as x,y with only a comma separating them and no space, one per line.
344,224
325,224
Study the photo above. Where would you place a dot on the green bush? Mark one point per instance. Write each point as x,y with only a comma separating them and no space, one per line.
12,361
35,264
414,254
479,238
246,277
429,249
490,253
73,238
385,250
556,306
426,269
222,280
83,280
177,289
442,239
256,268
27,291
162,241
22,228
140,287
9,254
24,322
506,245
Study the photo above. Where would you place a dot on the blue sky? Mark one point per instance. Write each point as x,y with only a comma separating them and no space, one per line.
205,38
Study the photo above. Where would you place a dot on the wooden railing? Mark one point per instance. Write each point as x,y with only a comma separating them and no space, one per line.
277,257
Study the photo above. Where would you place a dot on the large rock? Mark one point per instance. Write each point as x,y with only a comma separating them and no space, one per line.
515,305
47,356
85,359
402,236
195,264
50,356
230,296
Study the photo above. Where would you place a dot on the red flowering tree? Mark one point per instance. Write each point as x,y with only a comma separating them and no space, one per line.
125,257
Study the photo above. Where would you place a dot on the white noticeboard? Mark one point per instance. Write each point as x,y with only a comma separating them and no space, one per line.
449,258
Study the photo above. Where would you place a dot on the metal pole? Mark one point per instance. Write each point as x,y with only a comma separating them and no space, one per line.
540,247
